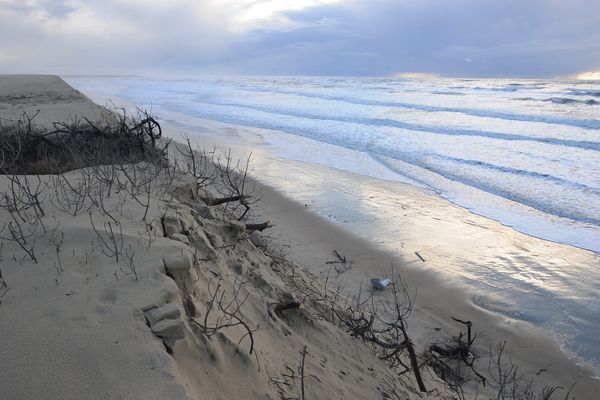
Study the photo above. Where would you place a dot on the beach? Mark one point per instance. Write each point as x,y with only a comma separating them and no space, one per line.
437,246
503,149
455,260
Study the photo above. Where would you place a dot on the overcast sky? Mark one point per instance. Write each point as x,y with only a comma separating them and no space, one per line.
486,38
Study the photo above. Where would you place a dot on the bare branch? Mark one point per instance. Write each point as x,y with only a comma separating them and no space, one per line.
224,311
111,242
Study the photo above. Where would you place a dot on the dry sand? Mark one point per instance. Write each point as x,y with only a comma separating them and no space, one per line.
76,329
46,96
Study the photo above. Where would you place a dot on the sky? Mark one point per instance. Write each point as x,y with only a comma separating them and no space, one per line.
467,38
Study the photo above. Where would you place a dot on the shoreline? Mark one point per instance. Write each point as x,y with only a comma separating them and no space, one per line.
518,205
225,136
283,196
494,318
510,213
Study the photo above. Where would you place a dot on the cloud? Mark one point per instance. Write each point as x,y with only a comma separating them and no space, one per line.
308,37
589,76
500,38
109,36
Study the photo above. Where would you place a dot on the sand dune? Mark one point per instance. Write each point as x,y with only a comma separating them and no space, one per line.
45,95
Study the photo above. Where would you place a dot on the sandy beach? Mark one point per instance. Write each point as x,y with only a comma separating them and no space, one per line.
432,242
81,324
47,98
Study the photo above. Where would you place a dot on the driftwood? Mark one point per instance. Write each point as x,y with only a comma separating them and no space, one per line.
420,256
259,227
287,306
343,264
341,259
209,201
460,351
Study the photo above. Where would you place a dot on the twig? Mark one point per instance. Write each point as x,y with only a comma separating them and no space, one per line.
302,395
420,257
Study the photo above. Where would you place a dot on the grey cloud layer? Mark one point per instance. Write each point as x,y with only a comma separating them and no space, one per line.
360,37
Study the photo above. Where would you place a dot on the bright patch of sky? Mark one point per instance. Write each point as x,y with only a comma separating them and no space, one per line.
487,38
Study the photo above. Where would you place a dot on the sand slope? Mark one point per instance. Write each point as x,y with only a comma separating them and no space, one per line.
81,322
50,95
78,324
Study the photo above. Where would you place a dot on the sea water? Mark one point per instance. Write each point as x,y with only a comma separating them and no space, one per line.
523,152
526,153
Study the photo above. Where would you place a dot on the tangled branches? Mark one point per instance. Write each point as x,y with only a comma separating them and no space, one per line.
376,318
197,163
455,363
27,149
223,310
382,323
23,201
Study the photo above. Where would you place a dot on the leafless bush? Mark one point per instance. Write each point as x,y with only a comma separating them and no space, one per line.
23,200
327,300
105,175
13,138
301,372
224,311
164,177
25,242
139,185
26,149
26,213
382,322
148,235
72,196
142,180
198,163
509,383
378,319
275,252
226,181
236,191
100,200
111,242
455,363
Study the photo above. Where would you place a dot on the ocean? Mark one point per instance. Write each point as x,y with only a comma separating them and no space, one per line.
523,152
